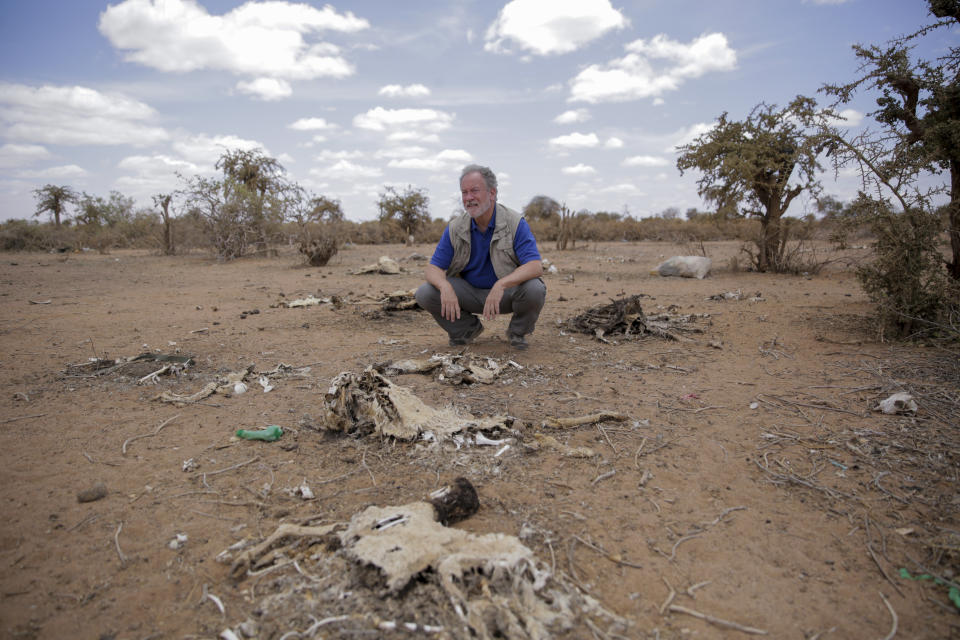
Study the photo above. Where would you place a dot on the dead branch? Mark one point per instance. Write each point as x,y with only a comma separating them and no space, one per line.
116,541
604,476
576,421
606,554
36,415
893,614
670,596
123,449
675,608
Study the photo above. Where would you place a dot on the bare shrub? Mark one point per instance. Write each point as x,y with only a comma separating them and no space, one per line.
319,249
907,278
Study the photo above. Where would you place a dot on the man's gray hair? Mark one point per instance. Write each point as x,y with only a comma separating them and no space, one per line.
488,176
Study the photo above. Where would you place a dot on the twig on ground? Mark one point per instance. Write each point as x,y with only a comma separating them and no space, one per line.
603,476
876,482
636,456
670,597
340,477
36,415
723,515
882,570
558,423
123,449
673,552
363,463
231,468
607,438
606,554
90,518
116,541
893,614
675,608
694,587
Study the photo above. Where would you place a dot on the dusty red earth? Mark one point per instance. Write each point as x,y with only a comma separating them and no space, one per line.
753,478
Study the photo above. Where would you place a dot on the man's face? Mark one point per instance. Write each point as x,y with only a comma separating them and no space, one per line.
477,198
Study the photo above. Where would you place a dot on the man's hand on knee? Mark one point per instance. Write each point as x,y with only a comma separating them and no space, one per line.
449,304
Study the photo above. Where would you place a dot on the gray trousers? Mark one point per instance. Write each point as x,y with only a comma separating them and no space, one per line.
524,301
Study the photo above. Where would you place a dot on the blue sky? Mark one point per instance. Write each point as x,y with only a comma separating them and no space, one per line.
581,100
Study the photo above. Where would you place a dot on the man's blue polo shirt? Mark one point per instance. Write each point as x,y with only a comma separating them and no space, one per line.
479,270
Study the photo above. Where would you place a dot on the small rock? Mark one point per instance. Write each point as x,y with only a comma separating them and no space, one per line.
96,492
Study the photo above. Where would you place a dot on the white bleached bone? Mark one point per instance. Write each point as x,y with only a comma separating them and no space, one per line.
484,440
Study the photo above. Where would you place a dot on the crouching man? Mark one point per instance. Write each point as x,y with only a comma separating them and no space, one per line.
486,263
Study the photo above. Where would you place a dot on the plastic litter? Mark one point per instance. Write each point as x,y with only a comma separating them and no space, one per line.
269,434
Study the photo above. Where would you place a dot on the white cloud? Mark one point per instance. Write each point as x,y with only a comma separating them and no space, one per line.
76,116
19,155
402,152
689,134
407,121
623,188
447,159
579,170
153,174
203,151
826,1
409,91
613,142
634,76
414,136
572,116
65,172
326,155
312,124
560,26
268,89
575,141
275,40
848,118
346,170
645,161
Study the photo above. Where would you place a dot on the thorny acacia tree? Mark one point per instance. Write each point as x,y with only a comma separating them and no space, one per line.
757,166
257,181
919,110
54,199
409,209
224,215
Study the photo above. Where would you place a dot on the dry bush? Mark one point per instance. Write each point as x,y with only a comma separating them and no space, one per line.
24,235
907,278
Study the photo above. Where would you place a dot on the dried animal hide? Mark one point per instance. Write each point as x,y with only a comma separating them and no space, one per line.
369,403
453,368
478,586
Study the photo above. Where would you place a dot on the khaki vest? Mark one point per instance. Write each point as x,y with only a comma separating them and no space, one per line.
502,255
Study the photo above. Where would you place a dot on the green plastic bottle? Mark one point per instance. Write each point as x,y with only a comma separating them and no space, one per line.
271,433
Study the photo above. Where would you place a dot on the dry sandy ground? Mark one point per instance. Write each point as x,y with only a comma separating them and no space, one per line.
753,479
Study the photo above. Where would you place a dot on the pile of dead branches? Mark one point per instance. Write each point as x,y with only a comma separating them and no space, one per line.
625,317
